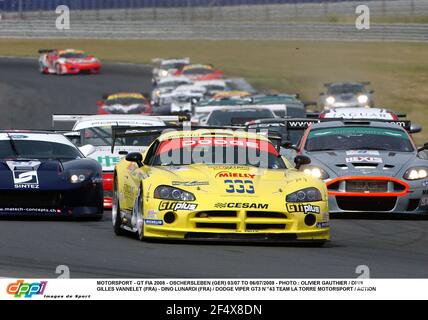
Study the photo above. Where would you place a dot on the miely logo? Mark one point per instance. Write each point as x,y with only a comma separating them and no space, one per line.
27,177
21,289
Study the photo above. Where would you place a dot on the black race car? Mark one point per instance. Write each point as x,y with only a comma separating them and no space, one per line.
44,174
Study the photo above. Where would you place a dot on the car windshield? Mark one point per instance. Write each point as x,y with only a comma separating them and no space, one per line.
172,84
102,136
174,65
126,101
278,130
73,55
346,88
237,117
33,149
197,71
214,87
224,151
358,138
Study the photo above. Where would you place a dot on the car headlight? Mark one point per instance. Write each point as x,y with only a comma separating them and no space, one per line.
416,173
363,98
330,100
163,73
158,93
316,172
79,176
170,193
304,195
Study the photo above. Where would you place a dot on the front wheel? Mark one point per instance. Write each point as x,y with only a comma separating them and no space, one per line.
58,69
115,212
138,210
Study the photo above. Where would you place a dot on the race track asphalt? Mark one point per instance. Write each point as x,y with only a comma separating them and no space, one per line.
34,248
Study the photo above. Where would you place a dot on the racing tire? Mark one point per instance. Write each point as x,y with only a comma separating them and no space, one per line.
43,69
140,215
58,69
115,212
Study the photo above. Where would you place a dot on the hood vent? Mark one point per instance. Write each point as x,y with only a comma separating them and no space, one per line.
359,165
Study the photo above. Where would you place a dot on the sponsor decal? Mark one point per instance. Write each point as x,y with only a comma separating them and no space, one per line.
424,202
364,159
322,225
26,179
168,205
299,207
239,186
21,289
190,183
241,205
30,210
153,222
108,161
362,153
226,174
18,136
25,174
152,214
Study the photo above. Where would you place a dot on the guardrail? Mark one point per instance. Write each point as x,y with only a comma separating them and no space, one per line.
224,31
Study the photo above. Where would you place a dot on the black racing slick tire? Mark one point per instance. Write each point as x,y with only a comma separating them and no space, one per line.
140,215
115,212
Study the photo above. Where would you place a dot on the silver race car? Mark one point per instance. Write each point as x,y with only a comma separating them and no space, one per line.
368,166
347,95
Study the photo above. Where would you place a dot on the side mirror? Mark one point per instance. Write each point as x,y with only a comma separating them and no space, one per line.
415,128
100,103
289,145
425,147
135,157
87,149
301,160
297,95
322,94
371,91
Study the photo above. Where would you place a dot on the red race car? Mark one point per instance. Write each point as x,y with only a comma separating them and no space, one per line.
124,103
70,61
199,72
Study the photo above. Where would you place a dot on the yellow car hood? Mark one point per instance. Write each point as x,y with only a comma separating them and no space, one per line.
216,179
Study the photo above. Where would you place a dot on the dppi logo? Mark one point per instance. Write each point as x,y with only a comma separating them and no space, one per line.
22,289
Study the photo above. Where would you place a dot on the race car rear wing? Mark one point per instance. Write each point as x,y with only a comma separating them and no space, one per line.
304,123
77,117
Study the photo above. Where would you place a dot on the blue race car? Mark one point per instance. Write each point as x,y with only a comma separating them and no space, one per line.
44,174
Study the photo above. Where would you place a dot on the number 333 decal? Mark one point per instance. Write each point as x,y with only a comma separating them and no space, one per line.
239,186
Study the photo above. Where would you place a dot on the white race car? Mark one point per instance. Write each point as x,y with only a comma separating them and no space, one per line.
168,67
167,85
93,135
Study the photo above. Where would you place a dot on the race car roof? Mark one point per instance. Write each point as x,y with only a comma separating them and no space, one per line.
194,66
69,51
117,120
35,136
119,95
217,133
174,78
174,60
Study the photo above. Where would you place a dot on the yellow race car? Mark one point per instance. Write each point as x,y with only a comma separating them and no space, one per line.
212,184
